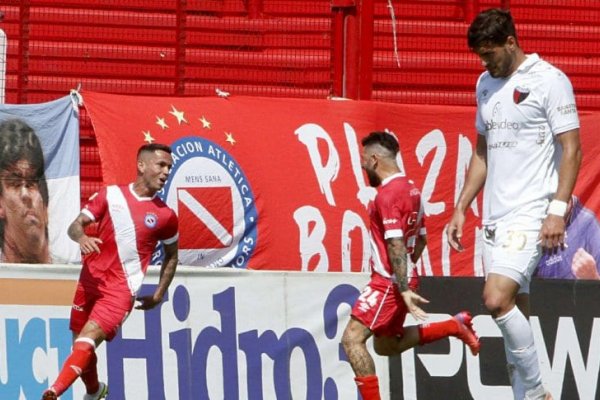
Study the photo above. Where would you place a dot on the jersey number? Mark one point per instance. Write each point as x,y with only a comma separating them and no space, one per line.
368,298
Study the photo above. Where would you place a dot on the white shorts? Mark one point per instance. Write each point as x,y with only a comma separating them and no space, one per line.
512,248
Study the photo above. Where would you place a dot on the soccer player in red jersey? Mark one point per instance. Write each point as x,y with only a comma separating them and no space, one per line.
131,221
397,231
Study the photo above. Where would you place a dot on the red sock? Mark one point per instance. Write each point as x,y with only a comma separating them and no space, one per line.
368,386
90,376
75,364
437,330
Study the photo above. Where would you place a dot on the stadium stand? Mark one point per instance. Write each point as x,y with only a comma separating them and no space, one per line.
280,48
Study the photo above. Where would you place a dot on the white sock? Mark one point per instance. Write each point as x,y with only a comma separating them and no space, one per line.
518,341
515,378
537,393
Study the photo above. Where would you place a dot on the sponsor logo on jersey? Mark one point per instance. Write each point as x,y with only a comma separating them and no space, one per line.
390,221
520,94
567,109
541,138
117,207
215,205
502,145
501,125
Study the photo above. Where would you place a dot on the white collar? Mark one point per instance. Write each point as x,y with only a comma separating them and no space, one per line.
137,196
530,61
389,178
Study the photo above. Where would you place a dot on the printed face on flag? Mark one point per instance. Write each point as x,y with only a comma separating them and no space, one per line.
40,181
23,211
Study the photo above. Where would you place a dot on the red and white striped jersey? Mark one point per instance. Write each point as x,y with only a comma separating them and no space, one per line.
396,212
130,226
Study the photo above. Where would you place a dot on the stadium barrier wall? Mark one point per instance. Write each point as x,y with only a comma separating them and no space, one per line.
237,334
219,334
565,317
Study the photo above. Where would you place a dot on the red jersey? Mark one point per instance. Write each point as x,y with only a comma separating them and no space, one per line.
396,212
130,226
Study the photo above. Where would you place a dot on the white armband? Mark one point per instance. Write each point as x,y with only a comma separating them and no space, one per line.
557,207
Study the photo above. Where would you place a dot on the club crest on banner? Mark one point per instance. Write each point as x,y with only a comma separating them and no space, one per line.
211,195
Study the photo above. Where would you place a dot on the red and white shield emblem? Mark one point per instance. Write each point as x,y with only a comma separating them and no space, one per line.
206,217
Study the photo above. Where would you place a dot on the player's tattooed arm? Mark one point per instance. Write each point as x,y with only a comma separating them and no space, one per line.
398,258
76,232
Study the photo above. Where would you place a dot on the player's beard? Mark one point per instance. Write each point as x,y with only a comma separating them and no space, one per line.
503,68
374,179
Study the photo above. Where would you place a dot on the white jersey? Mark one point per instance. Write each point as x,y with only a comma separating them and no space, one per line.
520,117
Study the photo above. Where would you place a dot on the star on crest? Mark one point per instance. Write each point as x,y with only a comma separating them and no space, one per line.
161,122
229,138
178,114
147,137
205,122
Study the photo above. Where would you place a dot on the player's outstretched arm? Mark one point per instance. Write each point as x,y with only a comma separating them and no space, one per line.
167,272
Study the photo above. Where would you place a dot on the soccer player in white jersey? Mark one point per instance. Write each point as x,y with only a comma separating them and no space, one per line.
131,221
527,155
397,232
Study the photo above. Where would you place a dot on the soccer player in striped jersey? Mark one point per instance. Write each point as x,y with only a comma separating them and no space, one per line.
131,221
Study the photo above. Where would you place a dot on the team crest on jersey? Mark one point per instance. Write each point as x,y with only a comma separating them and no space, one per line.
150,220
520,94
214,202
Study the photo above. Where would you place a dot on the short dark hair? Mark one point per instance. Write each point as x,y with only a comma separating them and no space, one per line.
382,138
492,26
152,147
18,141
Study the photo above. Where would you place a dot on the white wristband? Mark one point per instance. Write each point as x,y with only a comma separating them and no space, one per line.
557,207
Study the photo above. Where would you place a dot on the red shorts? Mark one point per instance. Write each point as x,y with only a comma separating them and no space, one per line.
108,310
380,307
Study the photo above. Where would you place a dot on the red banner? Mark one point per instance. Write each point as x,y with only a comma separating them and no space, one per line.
268,183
